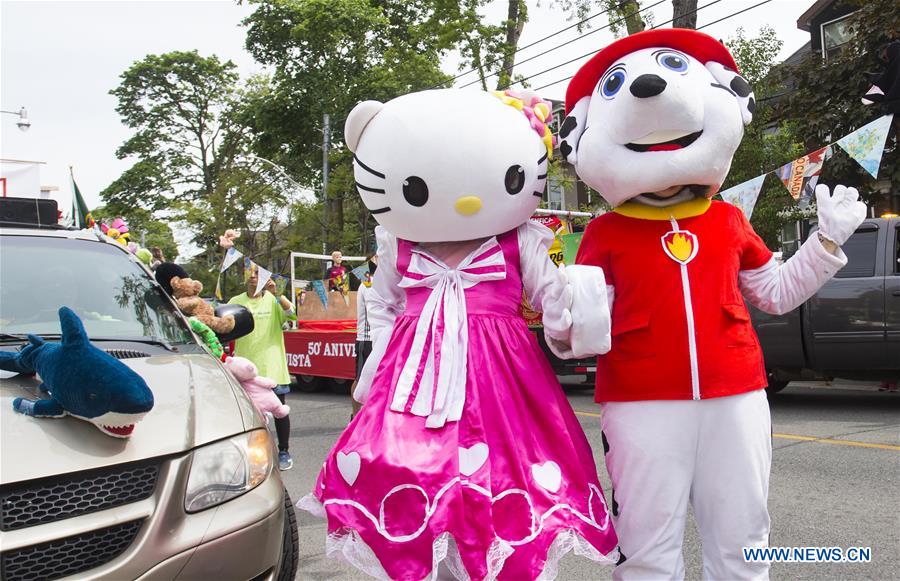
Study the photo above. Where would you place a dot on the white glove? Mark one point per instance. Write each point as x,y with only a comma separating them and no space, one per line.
557,308
840,214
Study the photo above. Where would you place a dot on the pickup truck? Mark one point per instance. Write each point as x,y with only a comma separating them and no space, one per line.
851,327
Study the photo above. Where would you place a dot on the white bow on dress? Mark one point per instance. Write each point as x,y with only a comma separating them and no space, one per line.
442,333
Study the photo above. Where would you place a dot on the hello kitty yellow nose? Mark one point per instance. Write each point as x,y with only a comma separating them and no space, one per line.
468,205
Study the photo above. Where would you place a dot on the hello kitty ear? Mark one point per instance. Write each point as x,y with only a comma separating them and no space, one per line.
357,121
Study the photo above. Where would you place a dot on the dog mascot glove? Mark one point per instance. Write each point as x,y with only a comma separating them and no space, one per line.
653,122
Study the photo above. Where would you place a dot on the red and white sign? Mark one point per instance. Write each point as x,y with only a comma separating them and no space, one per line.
321,353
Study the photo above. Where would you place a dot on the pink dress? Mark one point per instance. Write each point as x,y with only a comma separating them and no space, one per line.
507,489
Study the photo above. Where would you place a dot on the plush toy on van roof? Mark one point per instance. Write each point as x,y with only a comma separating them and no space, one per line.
654,120
81,380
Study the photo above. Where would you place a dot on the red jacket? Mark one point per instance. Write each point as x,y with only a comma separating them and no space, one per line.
680,329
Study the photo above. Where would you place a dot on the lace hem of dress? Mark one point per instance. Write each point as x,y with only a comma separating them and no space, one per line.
445,558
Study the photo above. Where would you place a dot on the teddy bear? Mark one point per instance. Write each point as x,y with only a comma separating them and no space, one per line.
257,387
186,292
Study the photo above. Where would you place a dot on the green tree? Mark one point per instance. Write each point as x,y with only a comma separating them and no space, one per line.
176,104
824,98
768,143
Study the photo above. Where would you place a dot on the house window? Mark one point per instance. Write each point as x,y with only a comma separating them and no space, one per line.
835,34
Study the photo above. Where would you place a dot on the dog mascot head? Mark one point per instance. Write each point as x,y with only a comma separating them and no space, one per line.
659,114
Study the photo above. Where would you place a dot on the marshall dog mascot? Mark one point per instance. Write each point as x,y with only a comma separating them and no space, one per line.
653,122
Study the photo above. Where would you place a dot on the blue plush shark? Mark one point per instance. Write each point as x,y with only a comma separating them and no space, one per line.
82,381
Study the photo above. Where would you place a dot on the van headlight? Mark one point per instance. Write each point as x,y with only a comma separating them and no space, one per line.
227,469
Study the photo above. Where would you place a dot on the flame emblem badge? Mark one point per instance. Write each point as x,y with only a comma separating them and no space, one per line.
680,245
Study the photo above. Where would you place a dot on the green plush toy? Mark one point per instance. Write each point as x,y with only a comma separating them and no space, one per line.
208,336
144,256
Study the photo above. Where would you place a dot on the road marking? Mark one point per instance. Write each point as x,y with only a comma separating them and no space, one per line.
803,438
838,442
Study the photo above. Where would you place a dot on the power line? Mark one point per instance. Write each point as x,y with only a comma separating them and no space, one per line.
527,46
593,52
531,58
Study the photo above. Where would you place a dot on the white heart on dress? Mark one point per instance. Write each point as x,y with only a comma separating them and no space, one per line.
472,458
548,475
348,466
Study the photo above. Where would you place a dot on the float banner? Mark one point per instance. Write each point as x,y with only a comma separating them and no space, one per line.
744,195
866,144
321,353
801,175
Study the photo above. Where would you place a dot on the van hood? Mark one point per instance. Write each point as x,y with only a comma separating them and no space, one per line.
196,402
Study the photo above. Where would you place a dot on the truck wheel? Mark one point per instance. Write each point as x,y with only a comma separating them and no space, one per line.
340,386
775,385
290,549
308,383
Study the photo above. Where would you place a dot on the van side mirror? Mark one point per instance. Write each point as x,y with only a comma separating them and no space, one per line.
243,321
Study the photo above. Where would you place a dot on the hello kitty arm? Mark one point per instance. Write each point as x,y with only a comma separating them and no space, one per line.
573,299
384,301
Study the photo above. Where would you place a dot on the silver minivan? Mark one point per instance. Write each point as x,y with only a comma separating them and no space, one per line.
194,493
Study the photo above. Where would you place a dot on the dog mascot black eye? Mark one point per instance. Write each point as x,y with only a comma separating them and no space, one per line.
415,190
672,61
515,179
613,83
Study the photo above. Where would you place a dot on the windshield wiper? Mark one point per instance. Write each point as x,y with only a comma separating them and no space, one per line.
146,340
23,337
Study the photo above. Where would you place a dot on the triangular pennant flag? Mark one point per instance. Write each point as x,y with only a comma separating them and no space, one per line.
744,195
264,276
219,286
231,256
866,144
360,272
319,287
280,284
801,175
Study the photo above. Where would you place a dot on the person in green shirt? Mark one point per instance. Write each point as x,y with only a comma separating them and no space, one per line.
265,348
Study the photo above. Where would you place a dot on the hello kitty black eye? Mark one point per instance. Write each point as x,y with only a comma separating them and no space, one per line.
415,190
515,179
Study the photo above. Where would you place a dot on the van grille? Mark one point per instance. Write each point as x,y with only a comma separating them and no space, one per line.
42,501
70,555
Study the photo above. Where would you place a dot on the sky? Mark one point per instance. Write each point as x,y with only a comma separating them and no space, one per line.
59,60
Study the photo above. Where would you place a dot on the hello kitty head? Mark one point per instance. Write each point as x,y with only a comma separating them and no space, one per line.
450,165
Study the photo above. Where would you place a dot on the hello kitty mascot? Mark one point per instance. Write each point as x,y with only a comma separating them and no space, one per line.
466,460
653,122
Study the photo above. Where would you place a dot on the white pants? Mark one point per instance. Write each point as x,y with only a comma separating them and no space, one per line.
713,453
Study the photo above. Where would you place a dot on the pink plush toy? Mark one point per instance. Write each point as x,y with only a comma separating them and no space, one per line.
257,387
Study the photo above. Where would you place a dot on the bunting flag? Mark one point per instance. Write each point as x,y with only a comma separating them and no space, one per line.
361,272
801,175
231,256
219,287
280,284
570,244
866,144
264,276
319,287
744,195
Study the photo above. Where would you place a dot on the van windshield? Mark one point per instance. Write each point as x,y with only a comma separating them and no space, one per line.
115,297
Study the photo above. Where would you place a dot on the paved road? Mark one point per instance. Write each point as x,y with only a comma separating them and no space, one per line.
835,479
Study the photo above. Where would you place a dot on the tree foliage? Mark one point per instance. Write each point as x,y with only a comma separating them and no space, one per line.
824,98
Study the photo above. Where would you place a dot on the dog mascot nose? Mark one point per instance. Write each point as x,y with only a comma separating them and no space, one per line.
647,86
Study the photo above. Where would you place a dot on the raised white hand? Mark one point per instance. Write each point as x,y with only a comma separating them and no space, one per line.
840,213
557,308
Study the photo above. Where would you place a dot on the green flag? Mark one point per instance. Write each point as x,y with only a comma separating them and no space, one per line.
80,212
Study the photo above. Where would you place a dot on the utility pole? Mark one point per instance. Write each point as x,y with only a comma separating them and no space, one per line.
326,135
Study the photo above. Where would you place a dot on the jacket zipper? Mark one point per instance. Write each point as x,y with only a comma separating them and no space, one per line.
689,315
